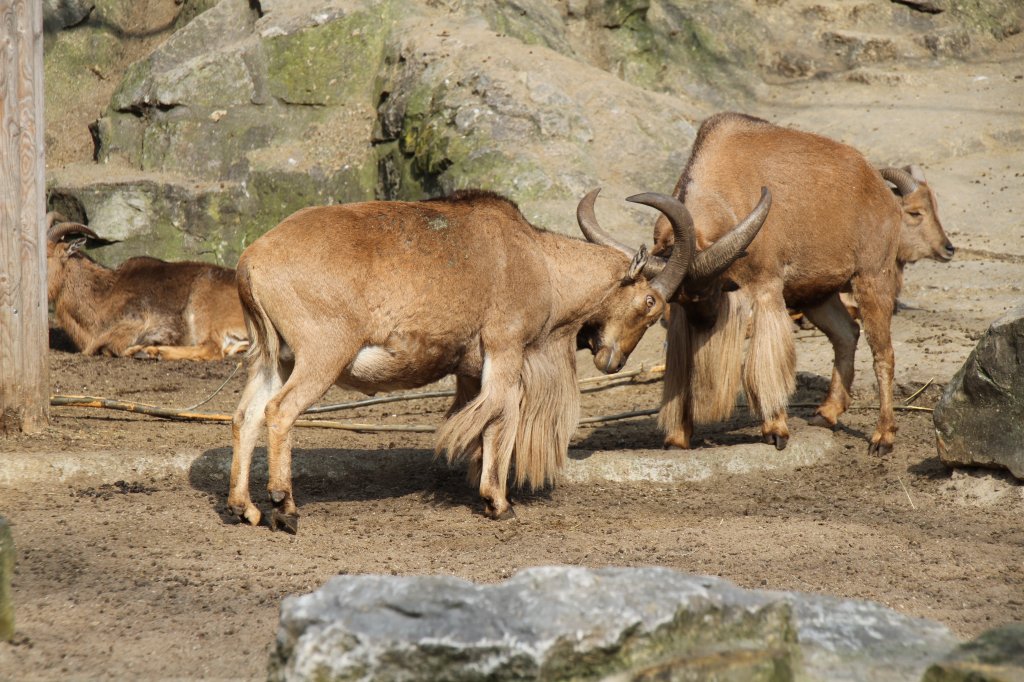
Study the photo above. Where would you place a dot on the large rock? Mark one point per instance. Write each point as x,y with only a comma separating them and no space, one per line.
557,623
287,103
979,420
6,573
994,656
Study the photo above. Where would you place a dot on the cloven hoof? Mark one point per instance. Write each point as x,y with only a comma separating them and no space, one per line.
286,522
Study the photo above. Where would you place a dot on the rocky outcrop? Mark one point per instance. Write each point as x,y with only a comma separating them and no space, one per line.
979,421
248,111
557,623
6,573
994,656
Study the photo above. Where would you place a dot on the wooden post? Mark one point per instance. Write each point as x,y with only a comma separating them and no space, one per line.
24,381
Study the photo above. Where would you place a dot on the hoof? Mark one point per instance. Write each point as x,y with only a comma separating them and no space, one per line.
676,443
289,523
491,513
821,421
778,440
246,513
879,449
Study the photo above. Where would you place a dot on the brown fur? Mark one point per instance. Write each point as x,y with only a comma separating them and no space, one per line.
166,310
386,295
834,225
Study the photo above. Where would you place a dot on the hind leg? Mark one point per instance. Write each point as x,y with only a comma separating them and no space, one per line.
769,373
876,299
308,381
832,318
264,381
466,389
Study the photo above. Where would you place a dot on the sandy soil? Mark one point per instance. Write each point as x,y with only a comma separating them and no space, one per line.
139,574
128,573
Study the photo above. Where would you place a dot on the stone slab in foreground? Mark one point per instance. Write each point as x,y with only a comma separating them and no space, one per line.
560,623
979,421
994,656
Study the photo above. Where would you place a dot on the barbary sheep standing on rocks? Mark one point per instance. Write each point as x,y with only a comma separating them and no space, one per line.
147,307
386,295
835,224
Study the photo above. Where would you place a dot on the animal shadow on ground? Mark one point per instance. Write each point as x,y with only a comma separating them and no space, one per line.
326,475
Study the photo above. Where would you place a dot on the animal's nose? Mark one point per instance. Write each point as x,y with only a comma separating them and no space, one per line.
950,250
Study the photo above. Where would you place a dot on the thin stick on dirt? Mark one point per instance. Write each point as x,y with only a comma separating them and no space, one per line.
188,416
905,408
906,492
219,388
918,392
588,385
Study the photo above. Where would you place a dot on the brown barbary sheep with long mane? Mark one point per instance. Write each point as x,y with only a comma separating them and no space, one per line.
387,295
145,307
835,226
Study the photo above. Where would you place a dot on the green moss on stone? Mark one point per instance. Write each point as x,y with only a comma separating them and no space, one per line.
332,62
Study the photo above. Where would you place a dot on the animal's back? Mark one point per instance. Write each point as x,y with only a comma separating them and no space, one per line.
831,216
405,277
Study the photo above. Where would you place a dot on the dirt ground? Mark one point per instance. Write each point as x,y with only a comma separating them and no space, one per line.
133,571
140,575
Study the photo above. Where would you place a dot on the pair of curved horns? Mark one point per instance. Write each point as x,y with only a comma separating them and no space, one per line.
682,268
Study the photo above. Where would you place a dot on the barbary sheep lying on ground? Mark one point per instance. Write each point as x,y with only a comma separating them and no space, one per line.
386,295
172,311
835,225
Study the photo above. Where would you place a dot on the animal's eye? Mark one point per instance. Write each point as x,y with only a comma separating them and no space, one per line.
915,214
650,301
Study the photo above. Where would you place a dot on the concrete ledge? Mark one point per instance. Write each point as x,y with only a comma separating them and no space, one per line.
667,466
615,466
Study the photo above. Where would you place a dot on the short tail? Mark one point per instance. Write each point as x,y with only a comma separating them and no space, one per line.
264,341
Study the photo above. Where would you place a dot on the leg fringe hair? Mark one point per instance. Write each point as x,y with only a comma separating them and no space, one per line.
675,391
549,413
717,357
534,421
769,374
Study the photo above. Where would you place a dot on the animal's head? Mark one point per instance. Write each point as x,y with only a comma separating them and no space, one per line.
64,241
921,235
651,281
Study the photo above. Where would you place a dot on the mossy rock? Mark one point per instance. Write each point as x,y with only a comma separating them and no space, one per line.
6,575
332,62
994,656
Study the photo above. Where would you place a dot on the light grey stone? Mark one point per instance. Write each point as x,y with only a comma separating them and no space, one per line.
559,623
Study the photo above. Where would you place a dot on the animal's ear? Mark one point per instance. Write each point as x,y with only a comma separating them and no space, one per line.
915,172
76,245
636,266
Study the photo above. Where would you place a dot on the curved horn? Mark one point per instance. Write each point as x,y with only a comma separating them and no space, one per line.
905,183
667,275
54,217
591,230
57,232
714,260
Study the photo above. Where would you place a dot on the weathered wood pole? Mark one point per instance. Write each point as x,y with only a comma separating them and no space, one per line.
24,380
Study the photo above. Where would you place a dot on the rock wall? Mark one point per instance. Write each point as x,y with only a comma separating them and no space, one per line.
239,112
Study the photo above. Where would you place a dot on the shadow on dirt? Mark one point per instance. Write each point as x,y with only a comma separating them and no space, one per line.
329,475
